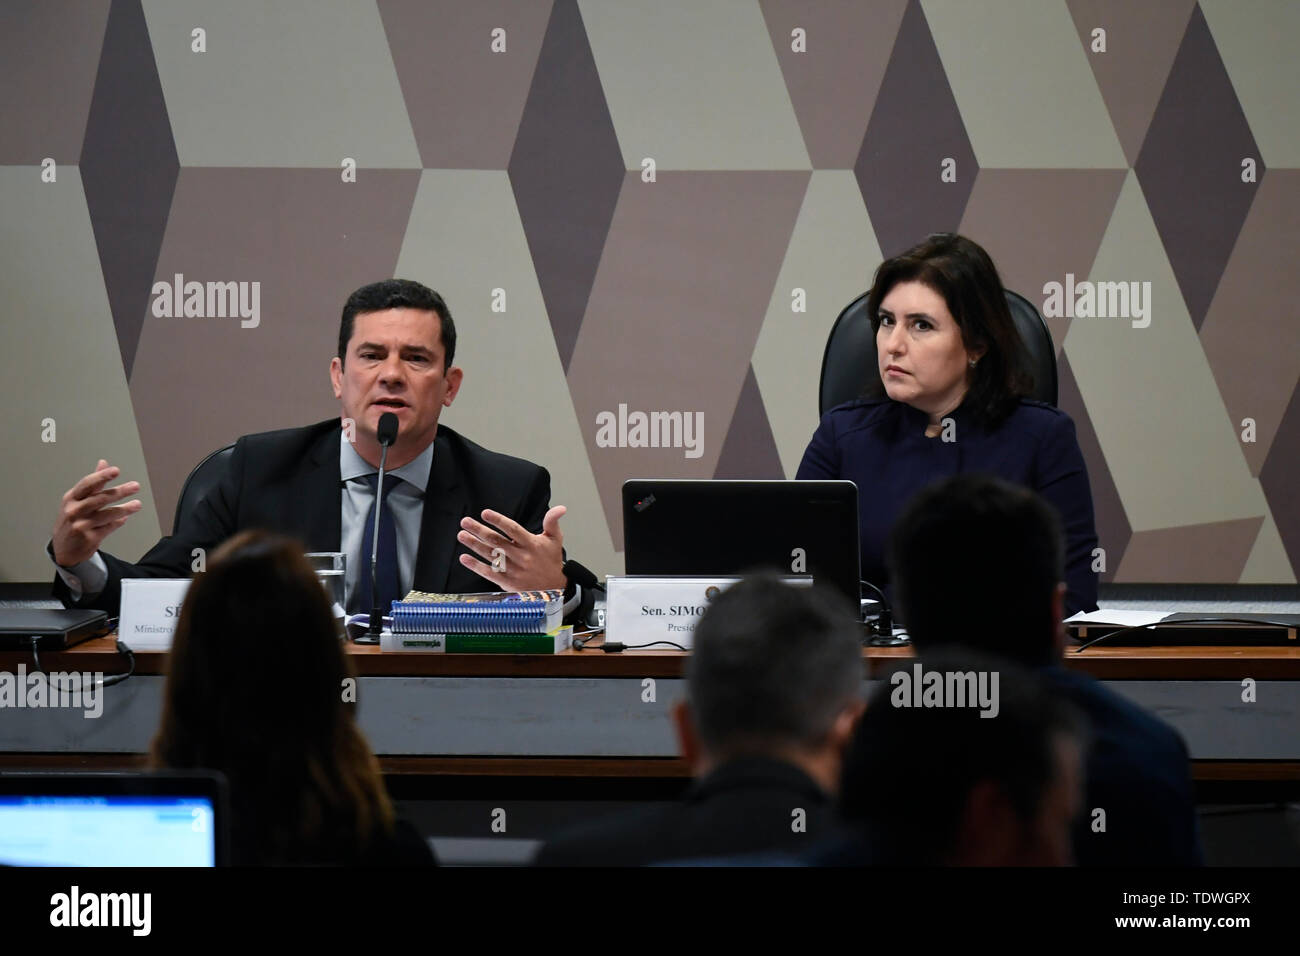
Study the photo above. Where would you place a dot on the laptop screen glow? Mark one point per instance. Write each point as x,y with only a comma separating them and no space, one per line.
107,831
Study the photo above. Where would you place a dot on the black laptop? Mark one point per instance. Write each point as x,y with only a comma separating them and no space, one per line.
682,526
53,629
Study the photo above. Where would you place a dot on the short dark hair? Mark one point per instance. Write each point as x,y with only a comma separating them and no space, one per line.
772,666
398,294
974,560
909,770
962,273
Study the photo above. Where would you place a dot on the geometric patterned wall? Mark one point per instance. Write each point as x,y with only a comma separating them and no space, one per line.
794,143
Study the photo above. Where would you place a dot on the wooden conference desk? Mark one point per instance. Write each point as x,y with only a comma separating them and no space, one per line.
591,714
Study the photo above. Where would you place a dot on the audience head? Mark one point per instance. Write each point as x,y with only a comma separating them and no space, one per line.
943,784
977,561
255,689
775,671
940,316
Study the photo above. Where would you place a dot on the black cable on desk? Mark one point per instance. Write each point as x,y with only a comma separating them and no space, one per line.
122,649
580,642
616,647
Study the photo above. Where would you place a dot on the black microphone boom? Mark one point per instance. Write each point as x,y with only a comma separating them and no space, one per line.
387,434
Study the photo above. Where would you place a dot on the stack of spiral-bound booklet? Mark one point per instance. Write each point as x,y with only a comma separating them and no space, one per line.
495,622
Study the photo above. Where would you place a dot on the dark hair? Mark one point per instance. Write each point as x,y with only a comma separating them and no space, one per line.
772,666
974,560
962,273
398,294
255,690
909,771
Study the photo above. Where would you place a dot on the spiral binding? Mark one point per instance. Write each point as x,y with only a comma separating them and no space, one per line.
523,617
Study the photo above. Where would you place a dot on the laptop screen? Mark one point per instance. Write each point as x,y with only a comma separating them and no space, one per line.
687,527
64,820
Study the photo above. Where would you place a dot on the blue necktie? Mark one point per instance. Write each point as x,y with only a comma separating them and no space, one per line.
386,582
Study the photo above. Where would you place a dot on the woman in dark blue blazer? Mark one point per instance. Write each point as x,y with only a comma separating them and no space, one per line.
948,397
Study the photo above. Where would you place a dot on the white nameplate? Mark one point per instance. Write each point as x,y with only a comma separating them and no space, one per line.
640,609
151,608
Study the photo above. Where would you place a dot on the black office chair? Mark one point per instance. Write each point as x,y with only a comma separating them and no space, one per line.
851,353
202,479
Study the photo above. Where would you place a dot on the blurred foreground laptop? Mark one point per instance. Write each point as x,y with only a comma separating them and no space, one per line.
51,629
685,526
113,819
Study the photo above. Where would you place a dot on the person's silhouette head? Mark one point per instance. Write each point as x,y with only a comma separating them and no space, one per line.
981,768
978,562
775,671
257,689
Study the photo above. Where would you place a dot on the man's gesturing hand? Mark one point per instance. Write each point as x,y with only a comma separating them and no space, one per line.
513,558
88,514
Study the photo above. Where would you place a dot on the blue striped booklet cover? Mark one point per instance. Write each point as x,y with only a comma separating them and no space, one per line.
492,612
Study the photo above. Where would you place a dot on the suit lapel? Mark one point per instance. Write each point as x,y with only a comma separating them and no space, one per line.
444,505
317,507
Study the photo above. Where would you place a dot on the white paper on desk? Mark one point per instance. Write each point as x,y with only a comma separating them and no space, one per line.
1119,618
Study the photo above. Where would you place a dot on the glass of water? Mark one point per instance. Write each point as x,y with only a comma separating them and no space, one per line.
331,567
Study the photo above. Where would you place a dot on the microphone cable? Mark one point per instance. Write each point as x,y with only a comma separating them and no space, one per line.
109,681
616,647
581,640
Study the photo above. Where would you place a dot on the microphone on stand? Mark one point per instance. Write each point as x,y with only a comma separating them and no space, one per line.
387,433
884,625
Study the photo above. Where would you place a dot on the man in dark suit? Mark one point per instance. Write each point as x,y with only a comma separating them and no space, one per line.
774,687
397,342
944,786
978,562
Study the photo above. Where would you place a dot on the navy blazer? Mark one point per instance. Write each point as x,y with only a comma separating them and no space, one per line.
1137,770
881,447
288,481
